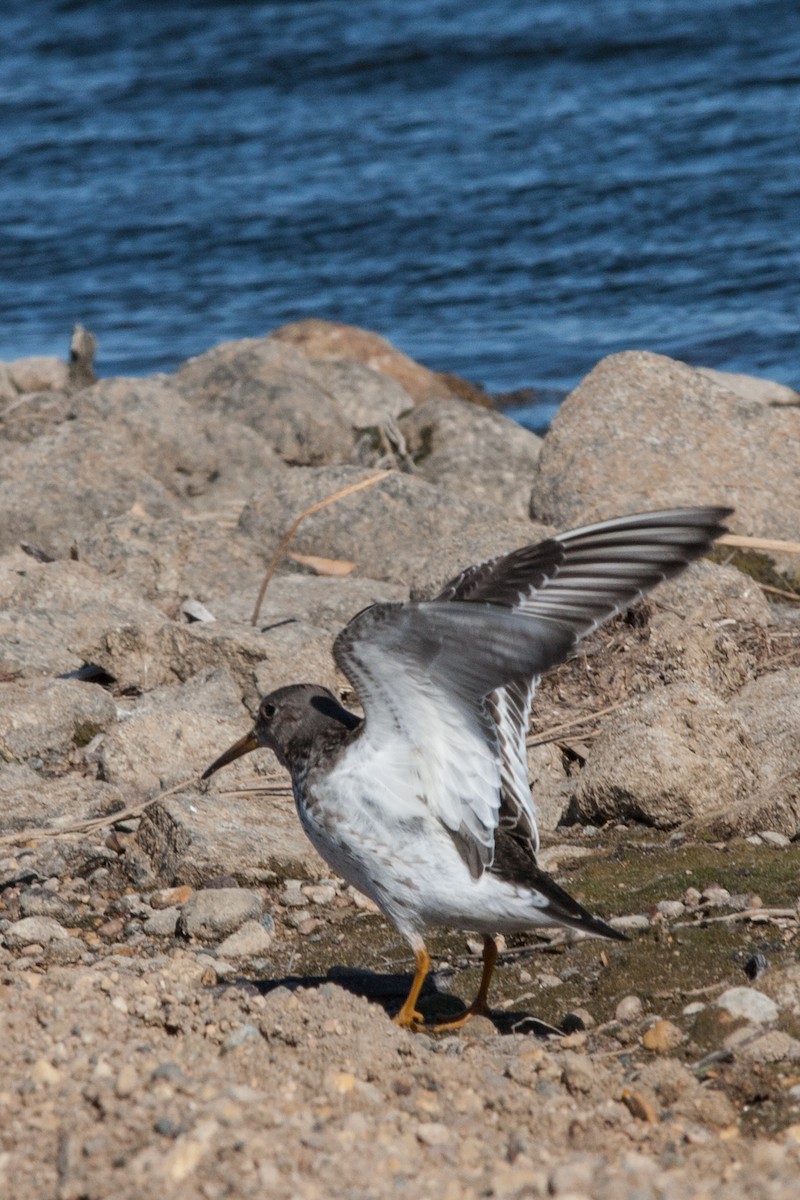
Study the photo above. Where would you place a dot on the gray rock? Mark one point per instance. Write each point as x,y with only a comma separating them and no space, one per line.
31,931
40,373
473,451
90,473
773,838
195,836
48,717
162,923
270,388
366,398
630,1008
671,909
643,431
440,560
197,455
249,941
29,799
214,912
317,339
749,1004
50,611
381,528
676,754
172,732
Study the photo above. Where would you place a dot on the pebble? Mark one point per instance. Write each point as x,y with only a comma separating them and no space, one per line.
162,923
691,897
34,931
754,840
662,1036
170,897
215,912
321,894
633,922
773,838
292,896
691,1010
250,940
127,1081
749,1004
714,896
630,1008
671,908
43,1071
238,1037
433,1133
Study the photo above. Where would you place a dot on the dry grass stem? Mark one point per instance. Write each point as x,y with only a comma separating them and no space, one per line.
292,530
45,833
775,545
552,734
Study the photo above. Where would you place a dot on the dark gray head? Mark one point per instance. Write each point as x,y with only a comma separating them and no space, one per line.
292,721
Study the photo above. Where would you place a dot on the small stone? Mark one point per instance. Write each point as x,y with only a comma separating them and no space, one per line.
293,897
691,897
714,896
321,894
691,1010
671,909
238,1037
630,1008
362,902
216,912
34,931
546,980
44,1072
127,1081
341,1082
662,1036
747,1003
170,897
162,923
773,838
754,840
631,923
433,1133
248,941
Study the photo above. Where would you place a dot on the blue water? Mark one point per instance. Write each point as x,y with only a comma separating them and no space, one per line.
508,190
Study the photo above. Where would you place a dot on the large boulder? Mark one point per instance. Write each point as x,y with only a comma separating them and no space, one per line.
676,754
270,388
643,431
382,529
332,340
769,708
473,451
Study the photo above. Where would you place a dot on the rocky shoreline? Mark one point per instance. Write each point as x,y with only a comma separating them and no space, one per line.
192,1007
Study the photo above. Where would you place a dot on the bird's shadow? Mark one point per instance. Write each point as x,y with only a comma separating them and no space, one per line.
390,990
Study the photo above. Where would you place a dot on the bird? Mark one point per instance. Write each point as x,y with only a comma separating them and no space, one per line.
423,804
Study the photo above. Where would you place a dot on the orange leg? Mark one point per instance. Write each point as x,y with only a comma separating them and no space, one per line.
408,1017
479,1005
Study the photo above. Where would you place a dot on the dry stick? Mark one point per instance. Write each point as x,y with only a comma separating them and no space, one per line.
773,591
292,530
757,543
550,735
747,914
40,834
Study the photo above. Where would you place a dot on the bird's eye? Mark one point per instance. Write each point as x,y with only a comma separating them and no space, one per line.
268,711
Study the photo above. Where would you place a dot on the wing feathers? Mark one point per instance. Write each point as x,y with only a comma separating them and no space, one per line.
455,675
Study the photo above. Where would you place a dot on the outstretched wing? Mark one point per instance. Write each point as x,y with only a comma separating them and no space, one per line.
455,676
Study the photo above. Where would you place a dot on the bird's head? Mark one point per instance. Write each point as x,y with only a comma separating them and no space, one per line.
289,722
